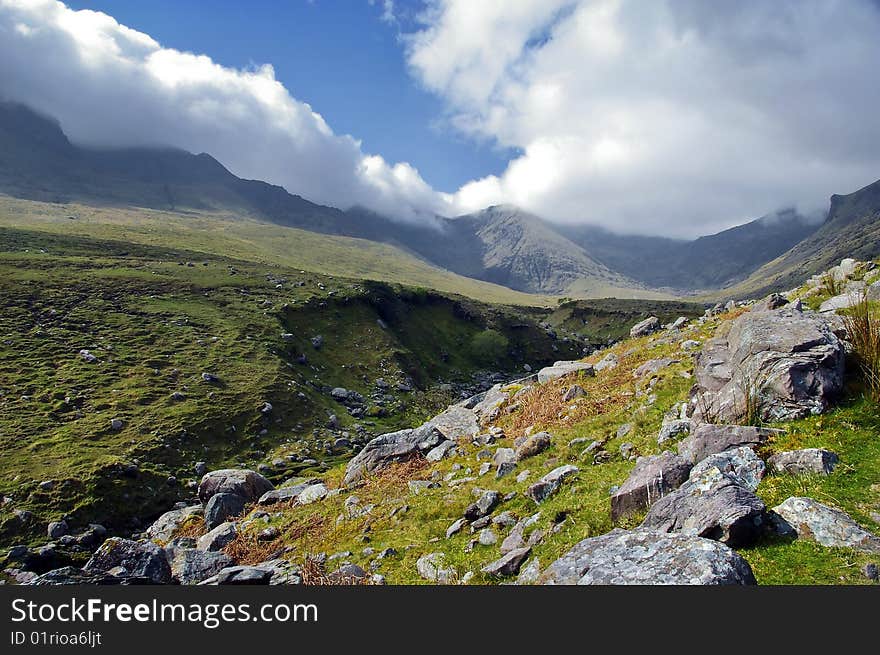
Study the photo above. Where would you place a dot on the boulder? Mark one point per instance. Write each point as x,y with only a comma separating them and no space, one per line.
69,575
643,557
652,478
563,368
486,406
711,505
454,423
550,483
533,445
742,464
653,366
807,460
509,564
312,494
440,452
248,484
771,302
57,529
221,507
392,447
191,566
646,327
137,558
608,362
707,439
842,301
785,363
286,494
218,538
830,527
165,526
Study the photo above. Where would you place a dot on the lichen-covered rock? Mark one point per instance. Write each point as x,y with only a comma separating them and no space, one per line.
487,501
825,525
563,368
711,505
165,526
807,460
787,363
248,484
742,464
137,558
673,430
707,439
286,494
652,478
218,538
648,557
508,564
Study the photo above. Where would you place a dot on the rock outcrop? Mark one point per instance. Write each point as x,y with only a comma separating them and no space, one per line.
643,557
812,520
652,478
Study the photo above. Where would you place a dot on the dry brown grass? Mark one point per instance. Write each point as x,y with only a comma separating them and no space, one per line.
193,527
863,327
247,549
396,476
314,572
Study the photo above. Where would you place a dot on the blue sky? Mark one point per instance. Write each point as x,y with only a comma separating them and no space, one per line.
336,55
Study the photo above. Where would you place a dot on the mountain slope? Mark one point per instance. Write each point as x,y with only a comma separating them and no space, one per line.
852,229
709,262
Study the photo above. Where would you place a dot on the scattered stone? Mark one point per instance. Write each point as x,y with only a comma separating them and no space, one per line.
455,528
192,566
504,468
244,575
673,430
440,452
573,392
550,483
218,538
530,573
57,529
116,424
624,430
487,501
653,366
648,557
433,567
286,494
165,526
825,525
563,368
487,537
312,494
808,460
646,327
509,564
386,449
608,362
522,476
533,445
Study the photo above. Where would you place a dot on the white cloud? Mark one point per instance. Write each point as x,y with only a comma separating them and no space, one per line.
108,84
677,117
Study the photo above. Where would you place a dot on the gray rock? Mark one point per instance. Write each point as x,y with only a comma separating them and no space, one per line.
221,507
825,525
504,456
312,494
433,567
456,422
624,430
550,483
509,564
707,439
533,445
608,362
807,460
455,528
712,505
136,558
487,537
192,566
530,573
652,478
165,526
57,529
573,392
418,486
218,538
487,501
285,494
563,368
386,449
440,452
504,468
654,366
648,557
742,464
673,430
248,484
788,362
244,575
646,327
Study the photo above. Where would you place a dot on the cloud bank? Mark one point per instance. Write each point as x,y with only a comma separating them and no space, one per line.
676,117
110,85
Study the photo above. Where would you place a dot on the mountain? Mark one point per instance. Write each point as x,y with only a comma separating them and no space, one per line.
499,245
709,262
852,229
